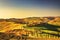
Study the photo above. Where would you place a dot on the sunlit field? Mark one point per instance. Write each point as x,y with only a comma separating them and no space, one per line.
32,28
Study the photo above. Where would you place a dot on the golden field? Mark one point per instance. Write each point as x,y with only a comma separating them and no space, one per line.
32,28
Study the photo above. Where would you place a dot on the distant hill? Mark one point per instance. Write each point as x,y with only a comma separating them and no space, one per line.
35,20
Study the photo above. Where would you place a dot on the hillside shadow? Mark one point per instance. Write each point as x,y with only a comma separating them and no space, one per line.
49,26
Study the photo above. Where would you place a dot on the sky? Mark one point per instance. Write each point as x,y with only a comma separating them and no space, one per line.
29,8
